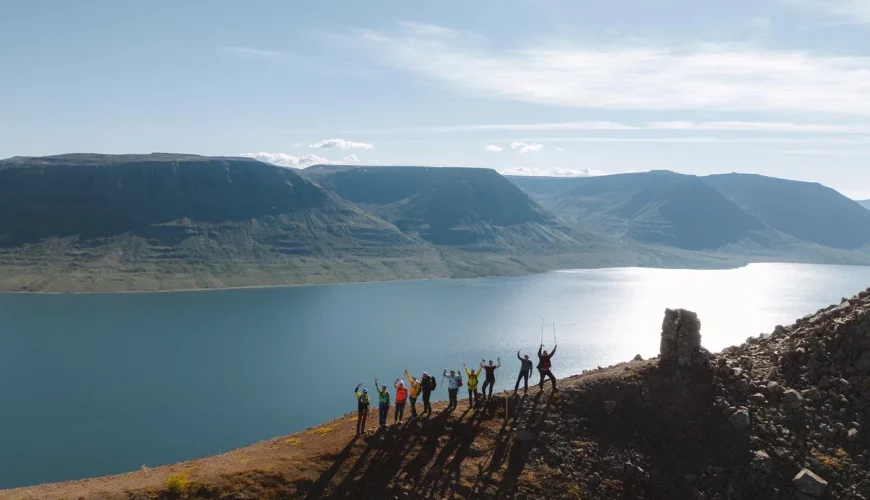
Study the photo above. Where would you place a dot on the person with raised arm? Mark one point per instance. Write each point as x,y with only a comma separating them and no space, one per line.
525,373
413,392
472,384
490,376
401,397
383,403
545,365
362,408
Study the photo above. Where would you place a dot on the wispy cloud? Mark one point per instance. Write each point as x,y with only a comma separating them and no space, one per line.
251,53
706,77
350,158
821,152
524,147
551,172
703,140
677,125
287,160
493,149
341,144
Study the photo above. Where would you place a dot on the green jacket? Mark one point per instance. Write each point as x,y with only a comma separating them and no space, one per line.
383,396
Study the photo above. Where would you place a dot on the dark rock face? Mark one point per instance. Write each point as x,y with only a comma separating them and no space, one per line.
681,337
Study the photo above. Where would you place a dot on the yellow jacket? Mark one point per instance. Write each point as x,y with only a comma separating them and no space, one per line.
472,379
415,386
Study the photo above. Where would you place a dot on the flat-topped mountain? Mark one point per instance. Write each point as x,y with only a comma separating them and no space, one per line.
167,221
445,206
726,213
805,210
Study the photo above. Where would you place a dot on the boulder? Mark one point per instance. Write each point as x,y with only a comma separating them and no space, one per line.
609,407
757,398
680,337
792,399
852,435
740,418
809,483
638,357
761,461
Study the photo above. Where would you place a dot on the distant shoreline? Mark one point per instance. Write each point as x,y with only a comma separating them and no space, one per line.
410,280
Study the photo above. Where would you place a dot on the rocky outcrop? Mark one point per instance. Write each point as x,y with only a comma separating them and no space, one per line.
681,338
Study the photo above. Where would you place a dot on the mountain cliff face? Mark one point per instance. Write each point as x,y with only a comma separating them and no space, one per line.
88,222
167,198
804,210
444,206
734,213
658,208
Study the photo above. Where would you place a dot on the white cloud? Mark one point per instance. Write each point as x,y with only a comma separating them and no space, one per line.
287,160
341,144
699,77
857,11
551,172
350,158
560,150
741,126
251,53
493,149
524,147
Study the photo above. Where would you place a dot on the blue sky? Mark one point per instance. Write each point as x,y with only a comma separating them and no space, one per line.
776,87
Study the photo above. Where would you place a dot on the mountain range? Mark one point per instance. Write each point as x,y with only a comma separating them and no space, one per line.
89,222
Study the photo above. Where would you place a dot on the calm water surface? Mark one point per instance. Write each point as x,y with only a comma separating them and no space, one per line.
102,384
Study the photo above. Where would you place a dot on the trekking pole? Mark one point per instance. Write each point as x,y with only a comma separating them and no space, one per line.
542,331
554,334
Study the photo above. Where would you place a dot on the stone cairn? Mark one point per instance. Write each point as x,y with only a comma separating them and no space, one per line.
681,339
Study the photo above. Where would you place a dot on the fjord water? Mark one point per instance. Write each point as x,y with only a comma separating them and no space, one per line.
103,384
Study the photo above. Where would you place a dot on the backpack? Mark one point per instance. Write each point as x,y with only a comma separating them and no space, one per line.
459,381
364,399
432,383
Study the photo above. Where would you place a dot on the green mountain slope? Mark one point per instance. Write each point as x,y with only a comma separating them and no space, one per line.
805,210
454,207
167,221
660,208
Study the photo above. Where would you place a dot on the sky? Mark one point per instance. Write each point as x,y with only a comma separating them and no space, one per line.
549,87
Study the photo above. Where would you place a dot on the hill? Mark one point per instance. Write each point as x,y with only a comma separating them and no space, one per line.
783,416
805,210
864,203
87,222
741,216
449,206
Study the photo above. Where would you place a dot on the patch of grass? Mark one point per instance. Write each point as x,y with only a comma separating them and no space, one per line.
573,492
293,441
178,483
322,431
833,461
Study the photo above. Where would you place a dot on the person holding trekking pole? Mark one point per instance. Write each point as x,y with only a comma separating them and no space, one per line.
490,376
453,383
472,384
401,397
383,404
544,365
362,409
427,384
413,392
525,372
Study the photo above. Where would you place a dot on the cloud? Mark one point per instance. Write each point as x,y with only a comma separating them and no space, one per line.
551,172
350,158
701,140
524,147
821,152
856,11
287,160
341,144
493,149
560,150
677,125
251,53
762,127
640,76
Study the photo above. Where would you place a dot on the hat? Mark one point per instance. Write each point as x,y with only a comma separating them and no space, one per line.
365,391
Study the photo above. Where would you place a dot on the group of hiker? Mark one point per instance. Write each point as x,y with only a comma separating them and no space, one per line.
427,383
